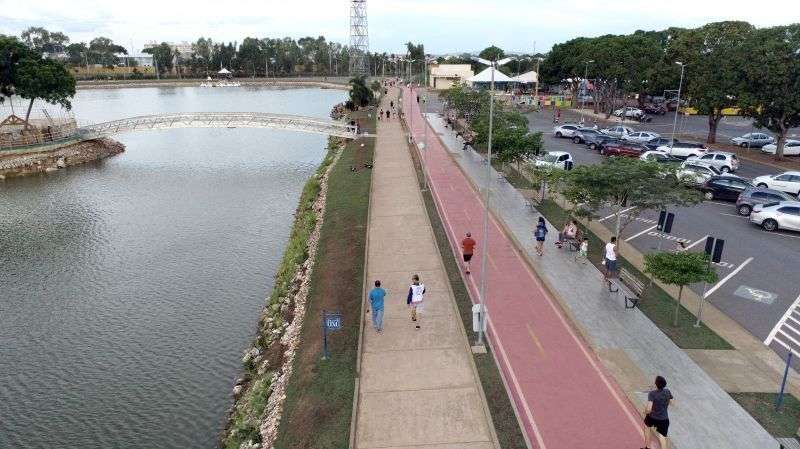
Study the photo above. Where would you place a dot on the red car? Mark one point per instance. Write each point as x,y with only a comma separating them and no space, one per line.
623,149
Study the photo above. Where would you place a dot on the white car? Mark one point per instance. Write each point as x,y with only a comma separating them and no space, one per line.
721,160
618,131
555,159
696,172
788,182
790,148
641,136
629,112
684,149
565,130
774,216
753,140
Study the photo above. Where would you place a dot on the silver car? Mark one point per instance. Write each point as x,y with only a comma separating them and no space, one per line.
641,136
753,140
721,160
618,131
774,216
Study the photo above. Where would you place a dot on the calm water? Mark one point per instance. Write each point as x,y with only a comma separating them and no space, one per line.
130,288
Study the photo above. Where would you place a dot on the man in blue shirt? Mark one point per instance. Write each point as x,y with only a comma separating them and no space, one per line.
376,302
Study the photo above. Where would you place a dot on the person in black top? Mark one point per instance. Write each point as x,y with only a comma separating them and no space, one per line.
655,413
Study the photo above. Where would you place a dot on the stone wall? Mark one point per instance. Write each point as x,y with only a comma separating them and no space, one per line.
59,158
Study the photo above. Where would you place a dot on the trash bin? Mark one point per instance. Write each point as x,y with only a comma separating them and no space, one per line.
476,310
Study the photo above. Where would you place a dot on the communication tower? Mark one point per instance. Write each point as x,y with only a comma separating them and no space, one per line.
359,38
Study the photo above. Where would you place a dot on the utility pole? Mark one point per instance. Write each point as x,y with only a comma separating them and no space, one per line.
677,107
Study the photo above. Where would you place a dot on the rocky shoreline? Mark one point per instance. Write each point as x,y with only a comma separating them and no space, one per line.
77,153
259,394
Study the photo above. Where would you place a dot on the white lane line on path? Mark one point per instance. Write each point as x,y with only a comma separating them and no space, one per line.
620,213
640,233
701,239
786,315
728,277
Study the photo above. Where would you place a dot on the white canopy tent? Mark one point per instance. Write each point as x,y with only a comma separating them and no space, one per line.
527,78
486,77
224,72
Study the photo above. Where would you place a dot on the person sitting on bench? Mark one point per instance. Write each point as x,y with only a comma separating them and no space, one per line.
568,233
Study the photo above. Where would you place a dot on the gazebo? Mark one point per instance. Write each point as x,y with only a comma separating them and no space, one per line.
224,73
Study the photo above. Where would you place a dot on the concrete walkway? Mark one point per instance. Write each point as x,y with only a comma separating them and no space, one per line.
418,387
630,346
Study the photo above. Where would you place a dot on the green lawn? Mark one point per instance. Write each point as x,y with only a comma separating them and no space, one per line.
761,406
319,400
656,304
505,421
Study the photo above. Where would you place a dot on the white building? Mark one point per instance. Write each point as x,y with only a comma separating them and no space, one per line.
444,76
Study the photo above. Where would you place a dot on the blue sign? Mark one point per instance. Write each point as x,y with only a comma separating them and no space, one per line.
333,321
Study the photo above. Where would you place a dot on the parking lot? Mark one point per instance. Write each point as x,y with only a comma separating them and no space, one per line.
756,286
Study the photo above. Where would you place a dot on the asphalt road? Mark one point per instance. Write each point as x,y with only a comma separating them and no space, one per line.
756,263
755,287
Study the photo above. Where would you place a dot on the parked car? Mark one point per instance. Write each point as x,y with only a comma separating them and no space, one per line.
696,172
790,148
753,140
725,187
606,141
658,156
788,182
721,160
641,136
629,112
655,109
594,140
555,159
684,149
618,131
565,130
622,149
758,195
774,216
655,143
581,134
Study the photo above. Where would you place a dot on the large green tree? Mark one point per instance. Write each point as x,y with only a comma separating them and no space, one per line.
251,55
714,58
40,39
103,50
360,94
44,79
681,269
492,53
12,51
163,57
772,97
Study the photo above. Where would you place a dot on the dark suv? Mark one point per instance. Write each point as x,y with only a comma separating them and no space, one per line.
724,187
582,135
758,195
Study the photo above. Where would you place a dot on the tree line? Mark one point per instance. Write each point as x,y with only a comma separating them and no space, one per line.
726,64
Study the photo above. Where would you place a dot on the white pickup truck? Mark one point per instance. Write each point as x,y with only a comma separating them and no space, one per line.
684,150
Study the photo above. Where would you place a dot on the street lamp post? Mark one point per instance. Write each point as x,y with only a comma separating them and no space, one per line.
536,94
585,87
482,300
677,108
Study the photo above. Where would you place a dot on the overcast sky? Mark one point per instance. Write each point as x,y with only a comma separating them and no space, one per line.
444,26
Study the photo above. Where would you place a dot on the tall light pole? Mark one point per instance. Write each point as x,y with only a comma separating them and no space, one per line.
585,86
677,107
536,94
482,300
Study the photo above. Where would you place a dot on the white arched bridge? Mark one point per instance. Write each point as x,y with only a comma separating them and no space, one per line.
219,120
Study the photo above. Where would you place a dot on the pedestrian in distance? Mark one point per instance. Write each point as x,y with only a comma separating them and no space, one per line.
583,251
415,299
387,115
540,233
380,114
467,248
656,417
376,296
610,258
391,104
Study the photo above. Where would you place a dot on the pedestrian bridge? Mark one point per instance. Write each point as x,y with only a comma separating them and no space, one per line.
218,120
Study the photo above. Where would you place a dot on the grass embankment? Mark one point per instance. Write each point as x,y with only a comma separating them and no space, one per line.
249,408
656,304
761,406
505,421
319,397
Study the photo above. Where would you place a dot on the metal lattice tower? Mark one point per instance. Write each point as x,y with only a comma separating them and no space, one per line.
359,38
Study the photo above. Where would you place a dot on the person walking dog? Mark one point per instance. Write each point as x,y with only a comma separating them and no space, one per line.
415,298
376,296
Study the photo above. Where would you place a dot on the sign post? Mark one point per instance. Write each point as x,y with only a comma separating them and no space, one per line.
783,383
330,321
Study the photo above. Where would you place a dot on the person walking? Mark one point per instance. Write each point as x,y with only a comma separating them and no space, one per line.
376,296
467,248
583,251
540,233
380,114
391,104
415,298
656,417
610,258
387,114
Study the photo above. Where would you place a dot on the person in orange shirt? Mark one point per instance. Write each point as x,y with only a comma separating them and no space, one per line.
467,248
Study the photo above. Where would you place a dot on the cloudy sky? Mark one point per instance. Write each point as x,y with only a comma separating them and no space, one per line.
442,25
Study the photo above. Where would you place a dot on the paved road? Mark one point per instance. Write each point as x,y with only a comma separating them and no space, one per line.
564,398
756,263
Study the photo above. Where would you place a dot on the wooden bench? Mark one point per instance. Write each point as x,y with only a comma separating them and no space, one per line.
630,287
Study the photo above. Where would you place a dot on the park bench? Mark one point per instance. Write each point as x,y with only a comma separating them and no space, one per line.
630,287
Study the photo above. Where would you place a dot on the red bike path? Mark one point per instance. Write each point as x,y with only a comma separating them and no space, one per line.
561,392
